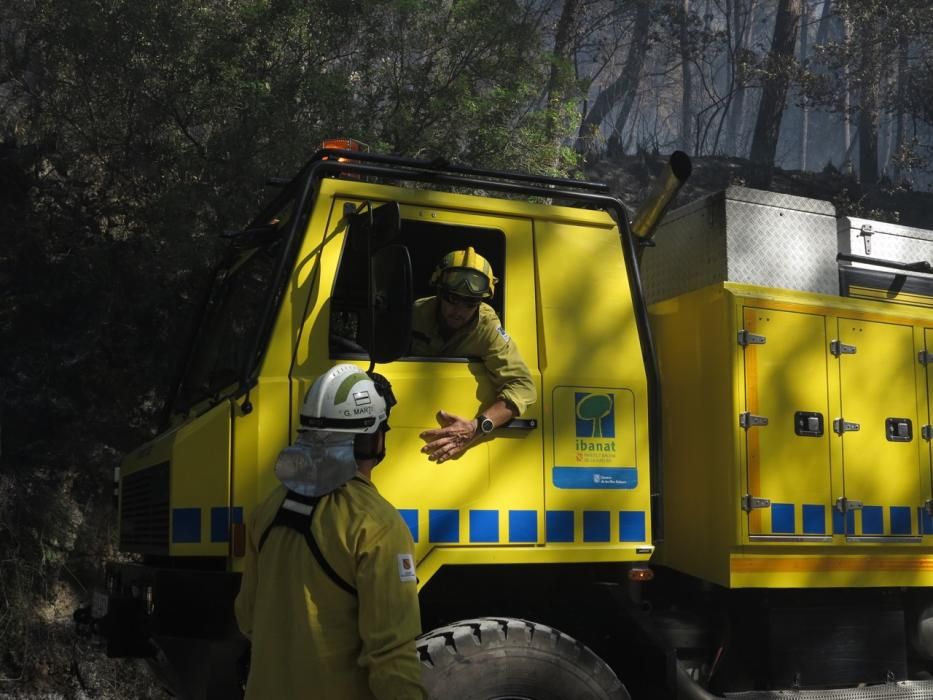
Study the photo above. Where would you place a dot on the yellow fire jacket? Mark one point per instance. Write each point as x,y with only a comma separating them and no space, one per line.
312,639
482,337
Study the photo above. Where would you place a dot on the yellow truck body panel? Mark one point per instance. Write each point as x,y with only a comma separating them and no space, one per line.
826,480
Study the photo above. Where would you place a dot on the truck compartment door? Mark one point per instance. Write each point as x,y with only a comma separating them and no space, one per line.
492,494
788,472
926,432
882,486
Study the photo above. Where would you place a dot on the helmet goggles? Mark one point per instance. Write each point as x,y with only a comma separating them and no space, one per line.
466,282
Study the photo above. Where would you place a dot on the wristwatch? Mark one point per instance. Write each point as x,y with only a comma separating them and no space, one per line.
484,425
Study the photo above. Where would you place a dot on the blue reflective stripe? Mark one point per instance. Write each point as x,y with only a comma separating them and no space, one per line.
559,525
523,526
596,526
814,519
484,526
782,518
410,516
872,520
900,520
924,521
632,526
220,525
221,519
444,526
186,525
843,523
595,477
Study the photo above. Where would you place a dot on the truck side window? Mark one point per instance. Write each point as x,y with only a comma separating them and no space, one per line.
243,282
427,243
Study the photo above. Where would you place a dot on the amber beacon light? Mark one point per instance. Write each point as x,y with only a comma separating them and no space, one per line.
345,145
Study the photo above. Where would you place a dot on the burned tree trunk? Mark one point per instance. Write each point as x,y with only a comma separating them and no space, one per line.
774,93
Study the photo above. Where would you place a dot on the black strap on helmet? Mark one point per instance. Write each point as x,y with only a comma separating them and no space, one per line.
384,389
336,423
364,446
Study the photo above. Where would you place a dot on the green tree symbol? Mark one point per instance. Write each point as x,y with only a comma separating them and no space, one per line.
595,407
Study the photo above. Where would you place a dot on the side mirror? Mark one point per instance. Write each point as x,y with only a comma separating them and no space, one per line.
387,223
393,296
375,226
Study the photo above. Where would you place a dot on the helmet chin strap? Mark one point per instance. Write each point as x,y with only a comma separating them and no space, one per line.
364,447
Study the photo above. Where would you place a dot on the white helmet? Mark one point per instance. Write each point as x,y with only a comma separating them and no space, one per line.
344,400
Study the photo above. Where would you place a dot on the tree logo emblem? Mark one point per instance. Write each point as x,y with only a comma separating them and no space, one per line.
595,415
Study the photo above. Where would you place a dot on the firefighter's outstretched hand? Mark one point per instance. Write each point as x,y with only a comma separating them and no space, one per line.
451,440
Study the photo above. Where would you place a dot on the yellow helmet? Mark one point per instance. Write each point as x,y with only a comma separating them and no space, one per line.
465,273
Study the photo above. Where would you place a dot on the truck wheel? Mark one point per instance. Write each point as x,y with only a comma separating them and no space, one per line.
509,659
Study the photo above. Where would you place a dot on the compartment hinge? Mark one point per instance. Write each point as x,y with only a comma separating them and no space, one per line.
865,234
844,505
924,357
747,338
748,420
841,426
838,348
750,503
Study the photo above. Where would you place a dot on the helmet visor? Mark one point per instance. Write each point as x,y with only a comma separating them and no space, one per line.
467,282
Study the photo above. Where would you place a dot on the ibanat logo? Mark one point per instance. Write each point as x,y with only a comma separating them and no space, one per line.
596,421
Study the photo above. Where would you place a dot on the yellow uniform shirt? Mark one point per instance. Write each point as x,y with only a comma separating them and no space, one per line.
483,337
312,639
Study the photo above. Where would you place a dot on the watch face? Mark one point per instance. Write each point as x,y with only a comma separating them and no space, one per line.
486,425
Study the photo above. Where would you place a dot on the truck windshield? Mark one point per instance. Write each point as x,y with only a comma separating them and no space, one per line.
231,320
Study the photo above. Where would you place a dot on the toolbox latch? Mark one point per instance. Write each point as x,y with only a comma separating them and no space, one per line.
898,429
838,348
747,338
808,424
844,505
748,420
843,426
928,507
750,503
926,432
924,357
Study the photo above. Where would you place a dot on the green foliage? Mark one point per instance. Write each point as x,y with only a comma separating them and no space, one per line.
131,134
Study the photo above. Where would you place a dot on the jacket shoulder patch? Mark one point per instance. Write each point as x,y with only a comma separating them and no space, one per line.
501,331
406,568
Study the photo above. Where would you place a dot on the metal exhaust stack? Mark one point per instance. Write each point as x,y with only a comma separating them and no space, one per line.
665,188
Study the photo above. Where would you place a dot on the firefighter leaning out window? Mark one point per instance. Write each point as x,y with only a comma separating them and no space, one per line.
329,593
458,322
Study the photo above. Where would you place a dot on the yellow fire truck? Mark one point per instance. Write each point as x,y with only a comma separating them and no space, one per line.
723,490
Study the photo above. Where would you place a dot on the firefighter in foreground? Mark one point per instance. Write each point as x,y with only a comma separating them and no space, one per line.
329,596
458,322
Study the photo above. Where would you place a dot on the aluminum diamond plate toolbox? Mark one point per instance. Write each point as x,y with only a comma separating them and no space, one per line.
883,241
886,262
744,235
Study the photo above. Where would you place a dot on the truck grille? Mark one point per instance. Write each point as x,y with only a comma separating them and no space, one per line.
144,511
